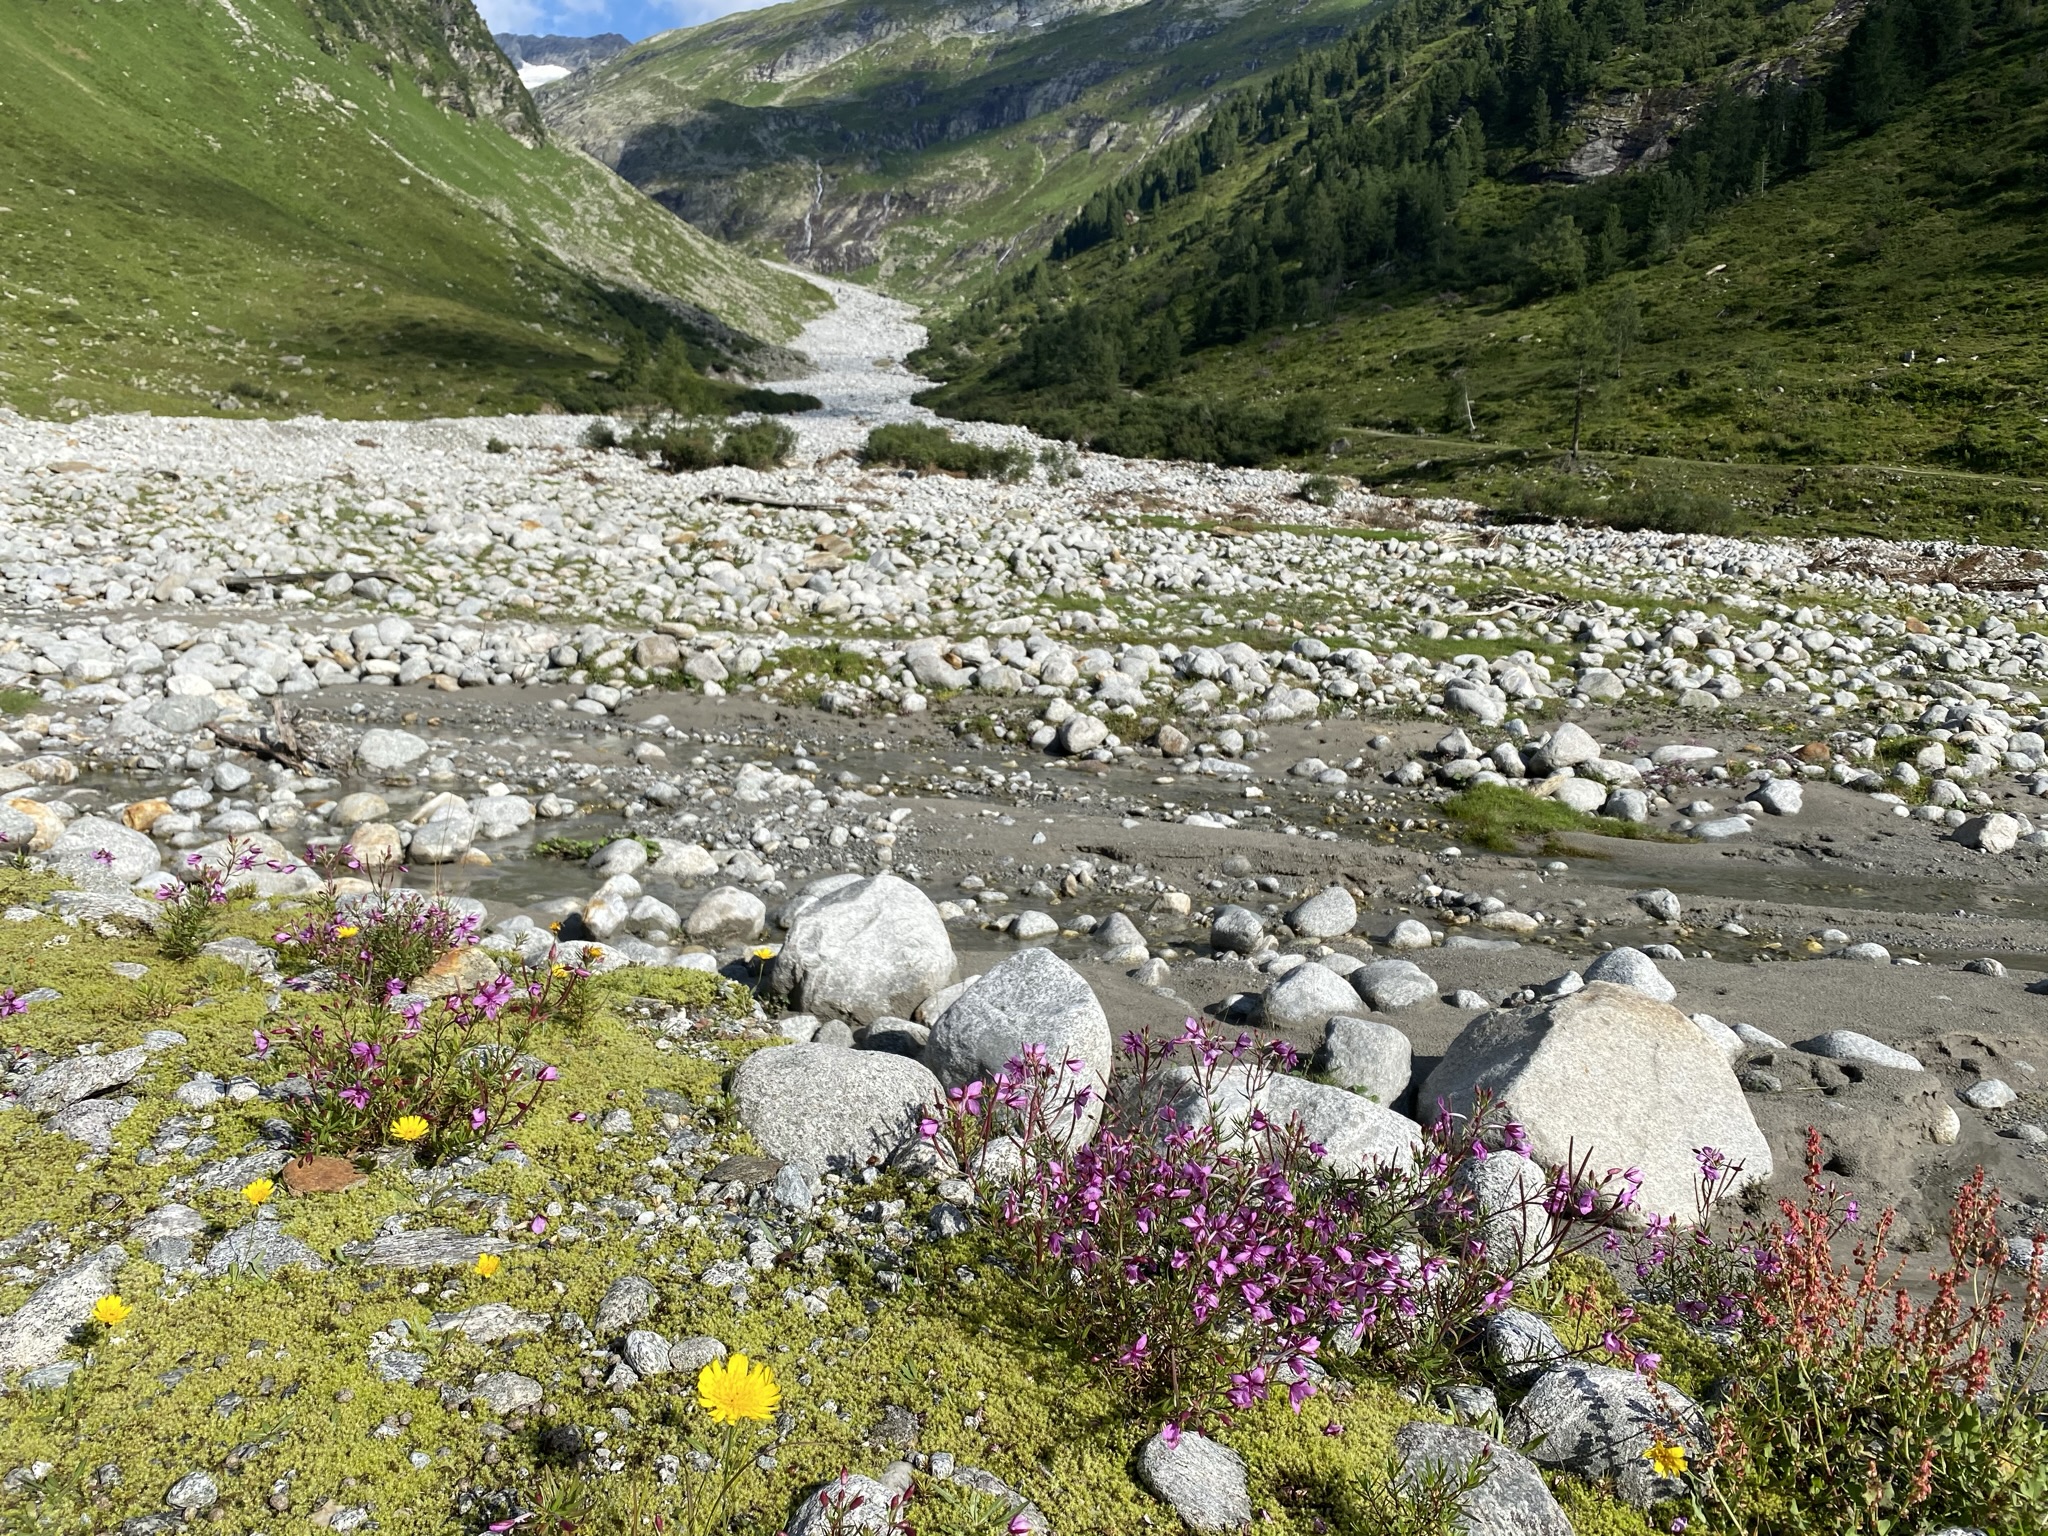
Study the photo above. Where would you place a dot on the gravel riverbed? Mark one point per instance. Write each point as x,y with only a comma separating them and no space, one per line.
1086,710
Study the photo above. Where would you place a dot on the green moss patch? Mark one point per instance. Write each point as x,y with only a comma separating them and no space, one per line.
1502,818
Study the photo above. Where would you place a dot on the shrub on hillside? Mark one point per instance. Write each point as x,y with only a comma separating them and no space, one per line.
1321,490
763,445
682,449
683,446
913,445
1653,509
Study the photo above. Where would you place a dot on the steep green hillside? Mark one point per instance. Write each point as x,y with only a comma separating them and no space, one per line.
922,143
1822,292
336,205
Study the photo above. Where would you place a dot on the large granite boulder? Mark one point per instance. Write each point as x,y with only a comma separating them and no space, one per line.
1613,1074
864,949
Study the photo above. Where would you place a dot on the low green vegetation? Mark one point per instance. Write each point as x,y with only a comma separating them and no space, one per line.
267,208
1321,490
1902,749
682,445
1821,311
929,450
343,1391
268,1383
1654,508
577,849
1503,819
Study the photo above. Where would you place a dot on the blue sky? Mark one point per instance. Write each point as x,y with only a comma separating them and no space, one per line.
582,18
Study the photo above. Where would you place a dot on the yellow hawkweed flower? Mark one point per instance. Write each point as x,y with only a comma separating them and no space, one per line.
256,1191
737,1388
764,952
1666,1459
488,1264
346,932
111,1311
409,1128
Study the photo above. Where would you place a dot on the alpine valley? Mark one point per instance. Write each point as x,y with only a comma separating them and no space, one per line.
985,767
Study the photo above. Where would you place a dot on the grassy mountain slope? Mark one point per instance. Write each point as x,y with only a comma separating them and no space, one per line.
1828,309
286,206
916,143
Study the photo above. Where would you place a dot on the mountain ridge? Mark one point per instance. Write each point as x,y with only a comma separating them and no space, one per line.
1387,246
266,208
569,52
913,144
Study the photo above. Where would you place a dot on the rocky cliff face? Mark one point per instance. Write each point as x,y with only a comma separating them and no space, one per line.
870,25
568,52
445,46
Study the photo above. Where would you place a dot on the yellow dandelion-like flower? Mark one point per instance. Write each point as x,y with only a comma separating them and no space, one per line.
765,952
487,1265
256,1191
561,971
1666,1459
409,1128
736,1388
346,932
111,1311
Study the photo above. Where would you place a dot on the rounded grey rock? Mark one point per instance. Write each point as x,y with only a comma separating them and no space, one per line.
1032,998
1368,1055
1661,904
691,1355
1632,968
860,948
1307,998
443,840
1510,1499
1033,924
1236,930
193,1492
1610,1073
825,1107
647,1352
1779,797
1991,1093
1080,735
727,915
626,1301
506,1392
1329,914
1598,1421
1521,1345
1569,745
263,1248
1626,804
1848,1045
96,851
849,1505
1203,1481
1390,984
1410,934
387,751
1506,1190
